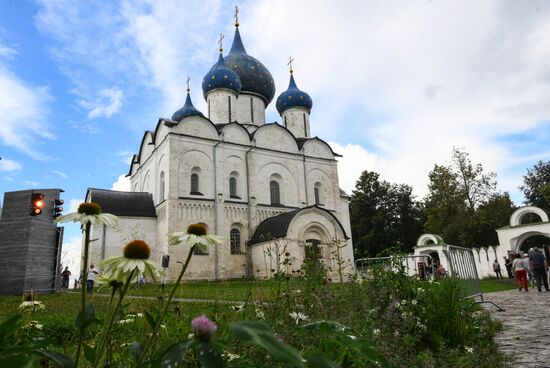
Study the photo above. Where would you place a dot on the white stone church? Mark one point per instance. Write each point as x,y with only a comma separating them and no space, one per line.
266,188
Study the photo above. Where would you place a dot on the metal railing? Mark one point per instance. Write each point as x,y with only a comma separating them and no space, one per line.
462,267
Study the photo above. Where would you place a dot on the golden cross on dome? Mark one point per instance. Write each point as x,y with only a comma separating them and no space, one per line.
236,16
290,60
188,79
220,42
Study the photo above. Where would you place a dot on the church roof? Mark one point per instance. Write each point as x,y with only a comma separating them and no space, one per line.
187,110
130,204
293,97
276,227
220,77
255,77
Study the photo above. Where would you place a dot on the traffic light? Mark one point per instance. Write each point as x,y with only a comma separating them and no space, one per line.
57,207
37,202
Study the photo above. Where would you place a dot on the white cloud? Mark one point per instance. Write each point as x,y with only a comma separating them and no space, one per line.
414,79
9,165
60,174
31,183
7,52
74,203
23,109
71,256
126,156
122,184
355,160
107,103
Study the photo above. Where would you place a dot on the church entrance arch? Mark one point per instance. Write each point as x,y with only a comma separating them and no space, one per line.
519,235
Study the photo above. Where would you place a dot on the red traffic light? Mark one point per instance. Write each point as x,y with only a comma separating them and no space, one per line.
37,203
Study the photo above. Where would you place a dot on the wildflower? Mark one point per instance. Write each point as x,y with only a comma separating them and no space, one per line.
31,304
162,326
396,333
195,234
298,316
421,327
414,302
125,321
203,328
469,349
230,356
372,311
237,308
260,314
35,324
376,332
89,212
352,337
140,315
136,254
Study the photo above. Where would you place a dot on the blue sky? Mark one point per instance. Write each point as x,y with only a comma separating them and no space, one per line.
395,85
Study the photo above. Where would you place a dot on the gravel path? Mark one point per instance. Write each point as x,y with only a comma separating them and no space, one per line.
525,336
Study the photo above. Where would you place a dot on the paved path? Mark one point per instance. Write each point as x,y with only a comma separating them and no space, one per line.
525,336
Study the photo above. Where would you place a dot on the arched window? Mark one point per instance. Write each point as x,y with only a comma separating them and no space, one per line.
274,192
235,239
195,183
233,187
161,187
317,193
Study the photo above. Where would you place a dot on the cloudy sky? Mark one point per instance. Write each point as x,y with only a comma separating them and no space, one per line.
395,84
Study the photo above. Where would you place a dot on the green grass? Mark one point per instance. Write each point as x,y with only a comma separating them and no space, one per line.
493,285
233,290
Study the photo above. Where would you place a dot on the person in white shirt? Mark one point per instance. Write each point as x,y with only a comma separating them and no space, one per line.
521,273
92,272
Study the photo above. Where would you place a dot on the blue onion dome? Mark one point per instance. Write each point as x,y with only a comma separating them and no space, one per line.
187,110
293,97
255,78
220,77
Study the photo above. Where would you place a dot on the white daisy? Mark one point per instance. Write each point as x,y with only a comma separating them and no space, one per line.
298,316
136,254
31,304
89,212
196,234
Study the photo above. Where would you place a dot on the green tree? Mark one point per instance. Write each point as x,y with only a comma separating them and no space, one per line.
536,186
463,205
383,215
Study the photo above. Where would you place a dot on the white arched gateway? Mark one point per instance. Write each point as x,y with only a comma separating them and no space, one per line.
511,237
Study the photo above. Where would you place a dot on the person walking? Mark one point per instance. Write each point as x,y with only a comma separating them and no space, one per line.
92,272
508,265
520,272
496,268
528,268
538,265
65,276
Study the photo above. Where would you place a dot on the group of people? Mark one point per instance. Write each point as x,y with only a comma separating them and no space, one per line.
526,268
91,276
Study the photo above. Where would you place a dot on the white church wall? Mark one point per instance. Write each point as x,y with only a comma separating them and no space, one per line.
297,121
233,166
316,148
236,134
221,106
111,242
286,172
194,158
249,109
196,126
146,147
318,178
273,136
